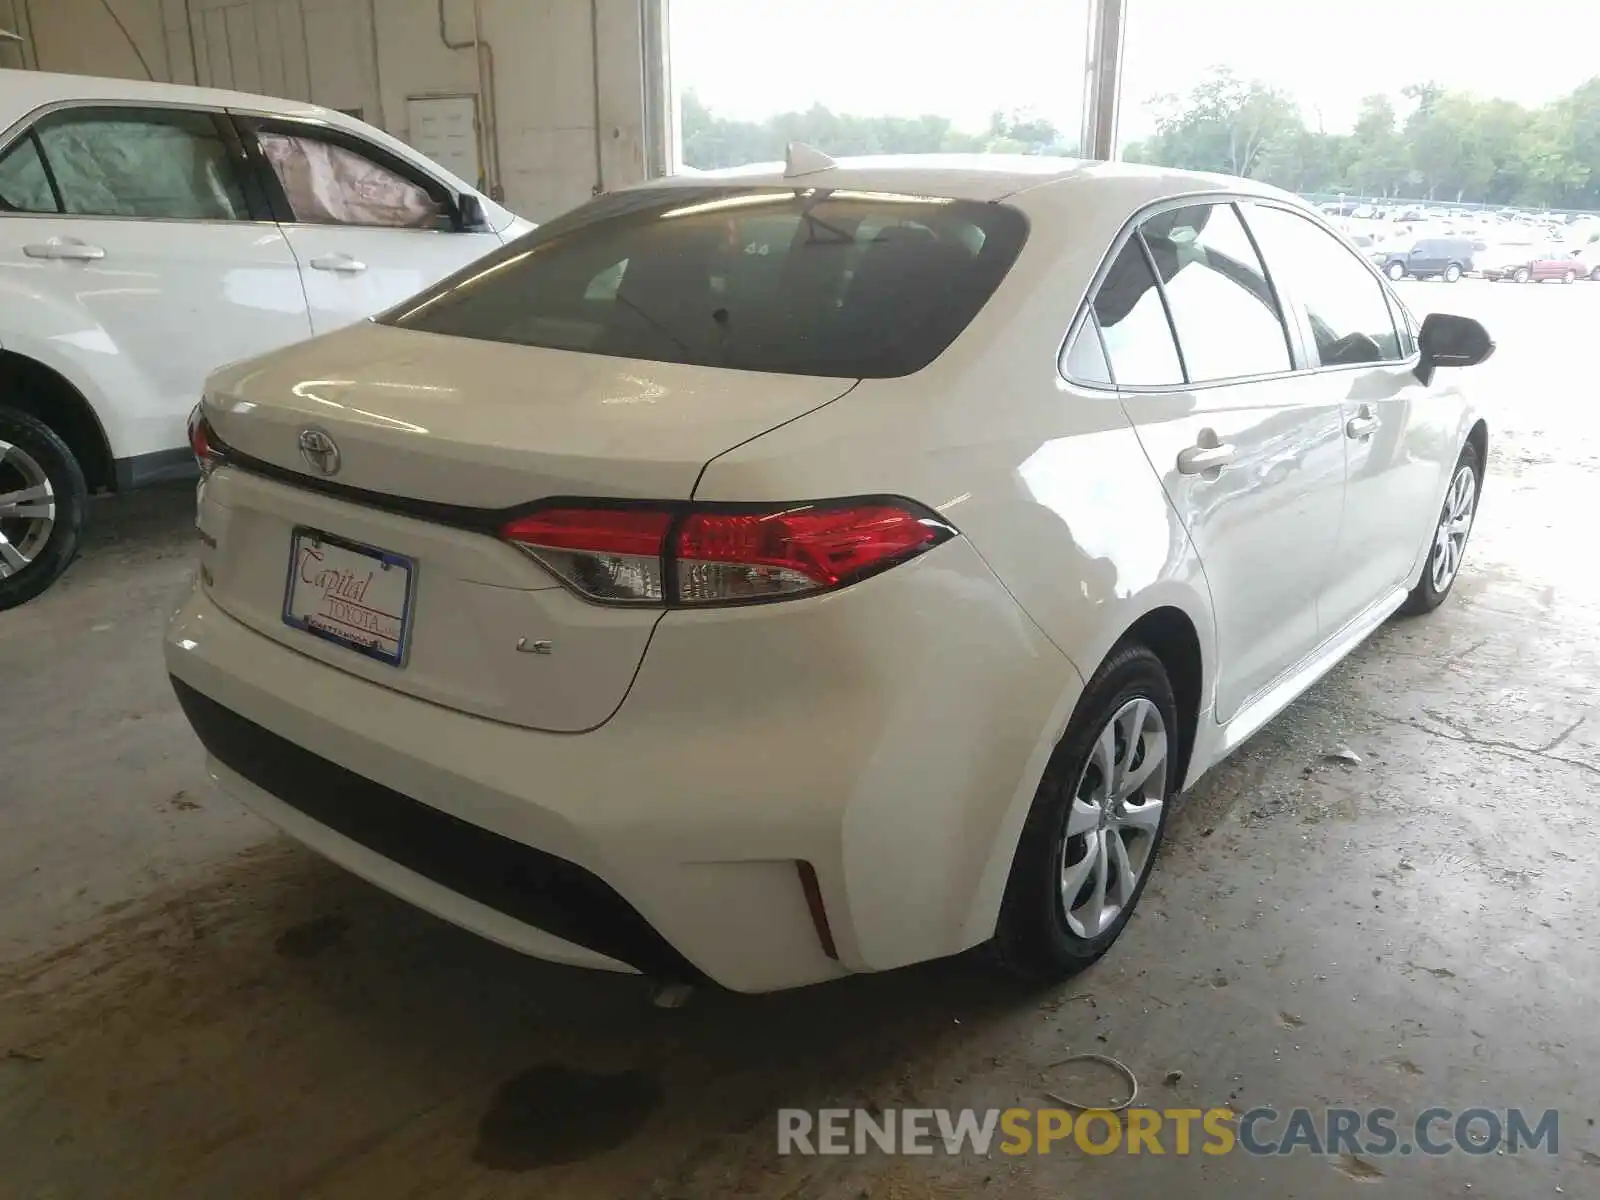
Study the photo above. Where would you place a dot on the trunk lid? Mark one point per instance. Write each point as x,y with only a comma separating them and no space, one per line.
417,416
493,425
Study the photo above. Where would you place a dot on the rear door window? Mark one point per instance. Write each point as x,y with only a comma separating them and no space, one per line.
24,186
801,281
1223,310
154,163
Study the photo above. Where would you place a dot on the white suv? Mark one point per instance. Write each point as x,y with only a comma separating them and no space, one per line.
775,575
150,234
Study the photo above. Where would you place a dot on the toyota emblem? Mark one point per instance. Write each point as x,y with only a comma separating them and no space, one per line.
320,451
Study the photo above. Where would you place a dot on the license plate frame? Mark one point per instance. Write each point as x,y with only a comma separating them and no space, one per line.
339,633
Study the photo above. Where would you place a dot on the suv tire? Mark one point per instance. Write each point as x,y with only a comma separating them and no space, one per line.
43,499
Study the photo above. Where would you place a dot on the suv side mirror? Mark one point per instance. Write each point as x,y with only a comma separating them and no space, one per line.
1451,341
469,214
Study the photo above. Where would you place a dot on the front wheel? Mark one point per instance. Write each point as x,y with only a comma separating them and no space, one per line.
1395,270
1522,275
1096,822
1450,535
1595,274
42,502
1569,276
1452,273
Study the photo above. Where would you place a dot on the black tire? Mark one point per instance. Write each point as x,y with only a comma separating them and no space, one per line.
1521,275
1452,273
1425,597
1569,276
1032,937
1395,270
71,495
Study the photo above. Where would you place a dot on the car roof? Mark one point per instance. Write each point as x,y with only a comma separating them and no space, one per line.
984,177
21,92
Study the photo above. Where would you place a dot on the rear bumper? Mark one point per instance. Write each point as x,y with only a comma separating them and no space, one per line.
890,736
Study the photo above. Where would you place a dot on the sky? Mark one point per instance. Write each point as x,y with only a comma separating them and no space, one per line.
752,58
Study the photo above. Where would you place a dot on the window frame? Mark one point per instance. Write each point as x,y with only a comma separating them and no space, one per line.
27,127
1302,347
252,124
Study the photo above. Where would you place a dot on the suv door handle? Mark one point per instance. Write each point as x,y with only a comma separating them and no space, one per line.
1207,454
76,251
342,263
1363,424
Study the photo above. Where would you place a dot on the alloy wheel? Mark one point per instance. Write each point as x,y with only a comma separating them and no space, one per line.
1114,819
1455,523
27,509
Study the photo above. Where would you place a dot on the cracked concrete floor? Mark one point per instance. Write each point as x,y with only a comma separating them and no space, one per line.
191,1006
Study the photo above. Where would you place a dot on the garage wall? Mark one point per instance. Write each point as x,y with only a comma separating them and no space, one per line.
564,111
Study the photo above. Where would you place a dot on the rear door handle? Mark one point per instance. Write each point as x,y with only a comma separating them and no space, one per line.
75,251
1208,454
342,263
1362,425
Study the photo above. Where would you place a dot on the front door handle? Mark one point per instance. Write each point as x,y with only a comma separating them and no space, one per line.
1363,425
1208,454
342,263
71,250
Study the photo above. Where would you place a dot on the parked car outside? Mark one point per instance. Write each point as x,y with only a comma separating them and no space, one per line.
1538,266
151,233
1447,258
668,593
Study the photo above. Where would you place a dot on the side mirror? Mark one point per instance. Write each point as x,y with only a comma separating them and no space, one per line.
1451,341
469,214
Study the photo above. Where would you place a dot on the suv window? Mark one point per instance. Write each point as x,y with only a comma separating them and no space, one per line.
796,280
1344,305
330,183
24,186
1223,310
152,163
1133,322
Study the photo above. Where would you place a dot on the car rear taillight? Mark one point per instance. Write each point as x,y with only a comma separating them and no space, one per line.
207,447
723,554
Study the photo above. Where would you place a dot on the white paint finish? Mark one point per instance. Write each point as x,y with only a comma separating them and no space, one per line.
1266,525
464,581
493,425
138,330
893,733
445,128
381,267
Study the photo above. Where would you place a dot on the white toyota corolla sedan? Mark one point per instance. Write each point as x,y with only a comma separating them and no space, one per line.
776,575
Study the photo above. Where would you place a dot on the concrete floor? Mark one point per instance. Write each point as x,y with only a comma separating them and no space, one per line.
192,1006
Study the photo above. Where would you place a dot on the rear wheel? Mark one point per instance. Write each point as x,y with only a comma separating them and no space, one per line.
1449,545
1569,276
42,503
1595,274
1395,270
1096,823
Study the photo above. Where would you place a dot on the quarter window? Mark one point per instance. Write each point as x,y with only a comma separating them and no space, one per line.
152,163
1133,322
1223,309
1086,357
1343,304
327,183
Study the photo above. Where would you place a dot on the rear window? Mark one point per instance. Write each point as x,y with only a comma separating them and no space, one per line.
807,281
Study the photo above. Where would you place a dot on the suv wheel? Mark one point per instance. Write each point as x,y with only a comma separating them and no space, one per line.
1395,270
1096,823
42,503
1452,273
1449,544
